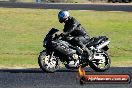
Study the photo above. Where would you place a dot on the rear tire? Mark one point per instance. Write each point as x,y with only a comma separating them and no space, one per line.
106,67
43,57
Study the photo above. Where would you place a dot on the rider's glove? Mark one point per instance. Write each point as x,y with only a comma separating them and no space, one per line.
61,34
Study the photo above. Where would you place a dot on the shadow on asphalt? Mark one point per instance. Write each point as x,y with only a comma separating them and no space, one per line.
38,70
33,70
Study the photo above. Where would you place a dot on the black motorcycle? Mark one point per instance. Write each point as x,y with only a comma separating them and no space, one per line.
59,51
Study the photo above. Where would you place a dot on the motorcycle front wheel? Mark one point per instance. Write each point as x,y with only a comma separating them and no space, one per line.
101,61
47,62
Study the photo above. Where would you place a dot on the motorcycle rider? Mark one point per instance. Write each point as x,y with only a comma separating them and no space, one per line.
74,28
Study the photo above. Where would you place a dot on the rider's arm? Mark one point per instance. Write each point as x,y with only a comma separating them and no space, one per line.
71,29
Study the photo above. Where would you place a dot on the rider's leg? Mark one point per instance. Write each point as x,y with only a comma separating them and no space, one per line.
78,41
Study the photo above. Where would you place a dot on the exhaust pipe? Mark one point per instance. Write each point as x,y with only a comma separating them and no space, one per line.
103,44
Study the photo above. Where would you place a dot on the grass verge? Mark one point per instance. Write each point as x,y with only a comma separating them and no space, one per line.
22,32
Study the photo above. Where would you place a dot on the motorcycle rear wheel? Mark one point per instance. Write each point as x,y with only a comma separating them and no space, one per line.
95,65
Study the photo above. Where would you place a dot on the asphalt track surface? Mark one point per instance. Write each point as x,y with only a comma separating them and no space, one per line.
97,7
36,78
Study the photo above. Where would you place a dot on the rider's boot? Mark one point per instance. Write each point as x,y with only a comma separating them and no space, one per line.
90,54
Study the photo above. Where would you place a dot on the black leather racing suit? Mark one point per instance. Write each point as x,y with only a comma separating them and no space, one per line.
74,28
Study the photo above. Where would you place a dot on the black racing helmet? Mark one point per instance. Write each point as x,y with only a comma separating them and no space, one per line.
63,15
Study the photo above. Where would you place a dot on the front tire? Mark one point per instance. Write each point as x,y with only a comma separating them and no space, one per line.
47,62
95,63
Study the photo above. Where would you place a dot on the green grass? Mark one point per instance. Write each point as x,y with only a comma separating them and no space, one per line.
22,32
18,61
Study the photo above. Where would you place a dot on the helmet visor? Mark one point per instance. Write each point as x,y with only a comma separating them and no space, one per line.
61,20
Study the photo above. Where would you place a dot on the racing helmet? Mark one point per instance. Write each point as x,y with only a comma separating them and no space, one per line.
63,15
